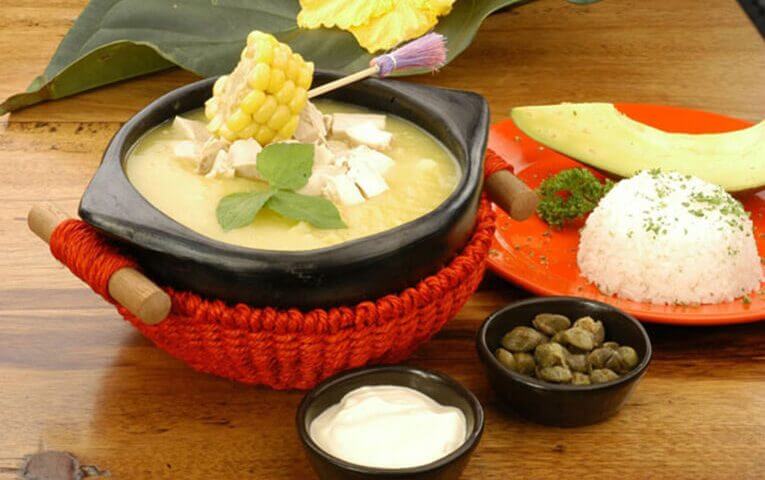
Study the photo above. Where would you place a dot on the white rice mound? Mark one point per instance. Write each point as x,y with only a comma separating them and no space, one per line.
667,238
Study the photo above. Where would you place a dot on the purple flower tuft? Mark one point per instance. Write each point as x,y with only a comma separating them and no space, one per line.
428,51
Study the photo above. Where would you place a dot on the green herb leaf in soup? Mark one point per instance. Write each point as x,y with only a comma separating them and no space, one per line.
286,165
317,211
239,209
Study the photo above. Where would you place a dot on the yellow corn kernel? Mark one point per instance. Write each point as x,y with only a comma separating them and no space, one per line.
257,36
293,69
298,100
284,95
262,52
306,76
260,76
226,133
254,36
265,111
282,55
264,135
249,131
289,128
238,120
252,101
215,123
279,117
211,108
276,81
265,55
219,85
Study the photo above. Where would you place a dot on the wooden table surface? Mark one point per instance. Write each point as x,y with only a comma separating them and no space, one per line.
75,377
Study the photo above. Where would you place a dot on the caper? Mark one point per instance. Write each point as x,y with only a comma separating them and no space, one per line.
611,345
577,362
629,356
579,338
578,378
506,359
551,323
595,327
615,362
550,355
602,375
599,357
554,374
525,363
522,339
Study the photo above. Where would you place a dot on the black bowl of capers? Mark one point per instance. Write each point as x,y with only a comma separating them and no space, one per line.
563,361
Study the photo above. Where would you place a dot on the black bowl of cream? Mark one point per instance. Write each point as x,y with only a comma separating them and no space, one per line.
446,397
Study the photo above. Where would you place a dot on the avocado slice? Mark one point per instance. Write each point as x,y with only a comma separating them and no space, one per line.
599,135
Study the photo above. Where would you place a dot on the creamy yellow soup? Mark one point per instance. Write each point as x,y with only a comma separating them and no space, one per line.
424,174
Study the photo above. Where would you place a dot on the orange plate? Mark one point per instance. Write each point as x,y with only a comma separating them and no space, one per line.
543,261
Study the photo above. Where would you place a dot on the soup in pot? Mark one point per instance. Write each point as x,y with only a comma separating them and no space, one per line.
406,174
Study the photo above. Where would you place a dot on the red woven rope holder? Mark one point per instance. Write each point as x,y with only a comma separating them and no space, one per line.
290,349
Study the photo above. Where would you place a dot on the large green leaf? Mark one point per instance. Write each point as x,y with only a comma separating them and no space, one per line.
114,40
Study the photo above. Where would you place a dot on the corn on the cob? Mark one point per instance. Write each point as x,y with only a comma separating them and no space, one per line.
263,96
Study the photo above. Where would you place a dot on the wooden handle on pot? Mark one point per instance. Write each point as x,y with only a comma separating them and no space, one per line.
512,195
142,297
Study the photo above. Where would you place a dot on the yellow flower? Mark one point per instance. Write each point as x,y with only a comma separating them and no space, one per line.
342,14
376,24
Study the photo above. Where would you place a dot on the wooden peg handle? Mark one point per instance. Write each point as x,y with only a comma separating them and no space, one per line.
142,297
512,195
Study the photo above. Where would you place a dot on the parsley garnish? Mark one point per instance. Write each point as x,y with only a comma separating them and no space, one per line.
570,194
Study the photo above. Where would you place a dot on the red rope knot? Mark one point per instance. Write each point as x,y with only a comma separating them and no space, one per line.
494,163
87,254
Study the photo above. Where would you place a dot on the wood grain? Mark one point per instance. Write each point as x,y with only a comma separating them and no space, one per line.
75,377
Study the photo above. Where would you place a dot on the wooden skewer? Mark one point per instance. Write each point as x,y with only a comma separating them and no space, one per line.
341,82
512,195
142,297
427,52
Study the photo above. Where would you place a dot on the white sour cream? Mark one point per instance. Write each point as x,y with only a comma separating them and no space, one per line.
388,426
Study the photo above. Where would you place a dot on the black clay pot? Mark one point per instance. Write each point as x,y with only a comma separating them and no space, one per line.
562,405
437,386
361,269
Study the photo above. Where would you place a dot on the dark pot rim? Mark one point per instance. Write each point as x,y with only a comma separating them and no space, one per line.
430,375
487,356
97,206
